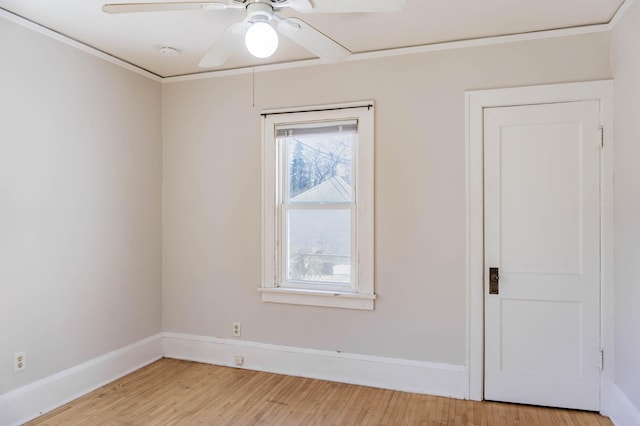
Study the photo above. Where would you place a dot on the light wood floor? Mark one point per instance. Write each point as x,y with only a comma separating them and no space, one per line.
172,392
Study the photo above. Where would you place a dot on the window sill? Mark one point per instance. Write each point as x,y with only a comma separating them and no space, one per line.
330,299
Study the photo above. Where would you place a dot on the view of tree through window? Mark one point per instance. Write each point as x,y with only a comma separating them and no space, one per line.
314,160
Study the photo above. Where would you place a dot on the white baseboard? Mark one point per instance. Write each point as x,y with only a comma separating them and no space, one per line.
620,410
381,372
35,399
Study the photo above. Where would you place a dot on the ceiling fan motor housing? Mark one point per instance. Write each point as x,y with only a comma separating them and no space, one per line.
259,12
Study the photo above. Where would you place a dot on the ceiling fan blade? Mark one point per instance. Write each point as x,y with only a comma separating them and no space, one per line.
311,39
353,6
165,6
221,49
301,5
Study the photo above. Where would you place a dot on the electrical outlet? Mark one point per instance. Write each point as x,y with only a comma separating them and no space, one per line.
19,361
236,329
238,360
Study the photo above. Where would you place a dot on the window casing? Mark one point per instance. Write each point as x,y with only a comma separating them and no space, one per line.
318,207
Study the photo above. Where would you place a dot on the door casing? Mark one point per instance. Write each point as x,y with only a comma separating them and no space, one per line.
475,103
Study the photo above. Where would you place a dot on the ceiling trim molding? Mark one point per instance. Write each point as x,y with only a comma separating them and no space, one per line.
624,7
476,42
449,45
17,19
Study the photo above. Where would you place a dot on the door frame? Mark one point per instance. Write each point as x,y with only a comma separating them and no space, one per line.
475,103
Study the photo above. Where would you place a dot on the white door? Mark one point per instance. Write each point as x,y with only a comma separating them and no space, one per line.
542,232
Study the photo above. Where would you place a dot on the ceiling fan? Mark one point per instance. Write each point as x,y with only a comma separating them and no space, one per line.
261,38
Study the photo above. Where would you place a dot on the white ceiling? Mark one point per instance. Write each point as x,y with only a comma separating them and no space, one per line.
137,38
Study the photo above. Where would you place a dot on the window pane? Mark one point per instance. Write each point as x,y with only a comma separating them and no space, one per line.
320,169
319,244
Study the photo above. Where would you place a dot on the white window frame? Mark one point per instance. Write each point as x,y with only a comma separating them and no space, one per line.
362,296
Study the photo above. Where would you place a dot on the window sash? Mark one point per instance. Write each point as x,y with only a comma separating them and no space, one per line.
284,254
284,204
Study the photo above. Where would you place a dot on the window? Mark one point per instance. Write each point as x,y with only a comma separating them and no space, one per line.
318,207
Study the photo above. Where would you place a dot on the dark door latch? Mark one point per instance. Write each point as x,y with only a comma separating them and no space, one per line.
494,281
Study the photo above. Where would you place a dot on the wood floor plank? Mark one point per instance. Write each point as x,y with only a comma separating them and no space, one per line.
349,409
173,392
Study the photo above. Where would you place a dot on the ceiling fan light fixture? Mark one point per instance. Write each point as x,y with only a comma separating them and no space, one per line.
261,39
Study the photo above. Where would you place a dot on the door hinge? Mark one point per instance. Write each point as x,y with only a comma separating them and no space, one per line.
601,136
601,359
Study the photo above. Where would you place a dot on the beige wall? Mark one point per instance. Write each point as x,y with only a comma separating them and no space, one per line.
80,188
626,71
212,193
